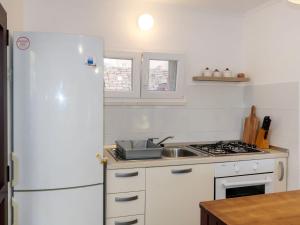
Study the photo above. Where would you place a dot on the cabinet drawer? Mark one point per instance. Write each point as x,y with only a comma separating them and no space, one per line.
128,220
125,204
125,180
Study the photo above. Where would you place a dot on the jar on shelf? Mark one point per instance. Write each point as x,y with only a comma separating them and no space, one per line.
217,73
227,73
207,72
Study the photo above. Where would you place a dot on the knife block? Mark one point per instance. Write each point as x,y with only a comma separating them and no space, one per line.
261,142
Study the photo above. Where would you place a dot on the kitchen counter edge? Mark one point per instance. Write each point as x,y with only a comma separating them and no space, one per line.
275,152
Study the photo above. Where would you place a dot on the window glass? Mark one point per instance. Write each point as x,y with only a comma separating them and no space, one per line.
162,75
118,74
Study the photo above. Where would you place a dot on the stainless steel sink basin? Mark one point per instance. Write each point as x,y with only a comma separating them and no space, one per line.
177,153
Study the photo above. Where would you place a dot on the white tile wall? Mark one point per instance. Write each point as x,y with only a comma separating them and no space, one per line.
212,112
215,112
281,102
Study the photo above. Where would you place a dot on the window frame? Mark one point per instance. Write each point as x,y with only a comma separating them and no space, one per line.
136,69
145,93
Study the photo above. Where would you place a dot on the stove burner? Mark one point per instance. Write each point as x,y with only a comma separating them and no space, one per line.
225,148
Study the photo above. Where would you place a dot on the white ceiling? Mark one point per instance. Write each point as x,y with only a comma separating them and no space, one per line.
236,6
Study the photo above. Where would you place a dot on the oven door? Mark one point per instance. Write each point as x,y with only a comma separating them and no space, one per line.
238,186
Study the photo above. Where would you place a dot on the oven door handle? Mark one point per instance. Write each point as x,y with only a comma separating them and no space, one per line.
246,183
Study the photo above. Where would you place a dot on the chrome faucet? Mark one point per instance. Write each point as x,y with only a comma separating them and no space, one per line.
163,140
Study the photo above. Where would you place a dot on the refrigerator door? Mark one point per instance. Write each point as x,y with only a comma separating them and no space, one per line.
79,206
57,110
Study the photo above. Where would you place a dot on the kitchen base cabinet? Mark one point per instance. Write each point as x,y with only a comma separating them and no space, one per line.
280,178
173,193
125,197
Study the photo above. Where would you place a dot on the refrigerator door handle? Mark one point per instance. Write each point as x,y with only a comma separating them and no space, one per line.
15,212
15,169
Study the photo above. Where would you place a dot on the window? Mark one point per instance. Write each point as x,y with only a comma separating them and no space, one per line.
159,77
118,74
162,76
121,75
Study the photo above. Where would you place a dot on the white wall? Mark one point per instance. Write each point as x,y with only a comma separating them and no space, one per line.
207,39
212,113
14,9
271,49
272,43
281,102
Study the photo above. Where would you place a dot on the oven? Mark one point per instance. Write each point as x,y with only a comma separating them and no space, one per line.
244,178
238,186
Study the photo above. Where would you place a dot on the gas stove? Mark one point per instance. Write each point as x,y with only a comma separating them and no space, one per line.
222,148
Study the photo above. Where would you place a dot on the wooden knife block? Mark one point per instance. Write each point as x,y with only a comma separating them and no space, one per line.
261,142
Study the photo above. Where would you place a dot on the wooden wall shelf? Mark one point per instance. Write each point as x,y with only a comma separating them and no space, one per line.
221,79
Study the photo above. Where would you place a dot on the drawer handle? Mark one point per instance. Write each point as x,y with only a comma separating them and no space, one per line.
127,223
128,199
182,171
134,174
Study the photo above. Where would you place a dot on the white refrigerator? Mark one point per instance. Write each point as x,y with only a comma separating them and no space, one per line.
57,129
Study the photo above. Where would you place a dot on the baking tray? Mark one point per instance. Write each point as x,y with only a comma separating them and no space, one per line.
138,149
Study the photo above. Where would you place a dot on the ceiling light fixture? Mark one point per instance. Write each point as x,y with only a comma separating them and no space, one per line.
295,1
145,22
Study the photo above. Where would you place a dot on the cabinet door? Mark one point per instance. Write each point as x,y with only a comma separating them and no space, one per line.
173,194
280,183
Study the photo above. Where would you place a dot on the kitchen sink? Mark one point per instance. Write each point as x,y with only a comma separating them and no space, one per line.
177,153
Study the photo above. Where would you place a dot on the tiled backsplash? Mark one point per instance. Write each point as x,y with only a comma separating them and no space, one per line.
281,102
215,112
212,112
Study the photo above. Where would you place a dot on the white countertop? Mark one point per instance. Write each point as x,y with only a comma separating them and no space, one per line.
275,152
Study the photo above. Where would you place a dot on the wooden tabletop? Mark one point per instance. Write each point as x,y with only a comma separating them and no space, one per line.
271,209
